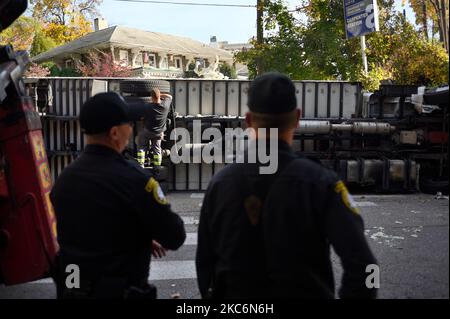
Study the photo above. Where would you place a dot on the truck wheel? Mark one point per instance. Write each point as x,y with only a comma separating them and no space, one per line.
434,185
138,99
143,87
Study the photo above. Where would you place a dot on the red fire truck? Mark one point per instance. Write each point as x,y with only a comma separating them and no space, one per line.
27,223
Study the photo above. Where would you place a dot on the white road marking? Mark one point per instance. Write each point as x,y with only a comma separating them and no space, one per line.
164,270
368,196
184,269
43,281
191,239
172,270
190,220
365,204
160,270
198,195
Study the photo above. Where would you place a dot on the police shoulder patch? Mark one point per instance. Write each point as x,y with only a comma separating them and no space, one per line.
154,188
347,198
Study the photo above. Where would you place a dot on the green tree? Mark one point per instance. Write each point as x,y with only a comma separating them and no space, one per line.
19,34
41,43
63,72
411,58
53,22
434,12
317,49
65,20
228,70
328,53
190,74
280,49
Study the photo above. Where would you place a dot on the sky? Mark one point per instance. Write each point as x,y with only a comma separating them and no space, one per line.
235,25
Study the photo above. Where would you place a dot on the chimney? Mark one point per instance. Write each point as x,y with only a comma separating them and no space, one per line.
100,24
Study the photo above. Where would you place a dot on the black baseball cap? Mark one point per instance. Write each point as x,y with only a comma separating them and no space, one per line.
272,93
105,110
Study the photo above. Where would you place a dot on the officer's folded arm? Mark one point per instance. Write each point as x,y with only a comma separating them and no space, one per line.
158,251
155,213
169,232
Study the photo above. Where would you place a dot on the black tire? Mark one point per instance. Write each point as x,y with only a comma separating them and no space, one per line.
436,98
432,185
138,99
143,87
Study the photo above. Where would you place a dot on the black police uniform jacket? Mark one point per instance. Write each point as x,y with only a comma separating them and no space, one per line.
269,236
108,212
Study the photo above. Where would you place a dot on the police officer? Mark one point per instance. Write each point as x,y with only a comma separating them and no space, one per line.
110,214
269,236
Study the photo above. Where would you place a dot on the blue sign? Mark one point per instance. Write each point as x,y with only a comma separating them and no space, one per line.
361,17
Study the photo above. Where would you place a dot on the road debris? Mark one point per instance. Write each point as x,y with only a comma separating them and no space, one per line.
383,235
440,196
382,238
175,296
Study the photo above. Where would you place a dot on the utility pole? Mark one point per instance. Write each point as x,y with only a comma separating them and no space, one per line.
259,32
364,55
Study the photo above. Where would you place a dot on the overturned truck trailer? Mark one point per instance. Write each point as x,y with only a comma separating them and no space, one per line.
393,140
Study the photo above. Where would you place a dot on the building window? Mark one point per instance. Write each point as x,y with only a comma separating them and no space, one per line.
178,63
164,63
68,64
123,57
201,62
152,60
139,62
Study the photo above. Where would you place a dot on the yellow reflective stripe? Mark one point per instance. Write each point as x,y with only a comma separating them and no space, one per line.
154,188
347,199
151,185
340,186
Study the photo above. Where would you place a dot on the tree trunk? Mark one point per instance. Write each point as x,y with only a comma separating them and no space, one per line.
443,23
441,9
425,19
446,23
259,32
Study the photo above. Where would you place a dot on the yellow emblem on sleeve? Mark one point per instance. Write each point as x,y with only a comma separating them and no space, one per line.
158,194
341,189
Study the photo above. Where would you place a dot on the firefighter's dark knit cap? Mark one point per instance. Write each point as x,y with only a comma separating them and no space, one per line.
103,111
272,93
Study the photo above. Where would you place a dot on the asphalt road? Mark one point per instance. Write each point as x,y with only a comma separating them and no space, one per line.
409,235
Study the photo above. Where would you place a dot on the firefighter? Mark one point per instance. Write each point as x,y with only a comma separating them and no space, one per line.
111,215
269,235
154,127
